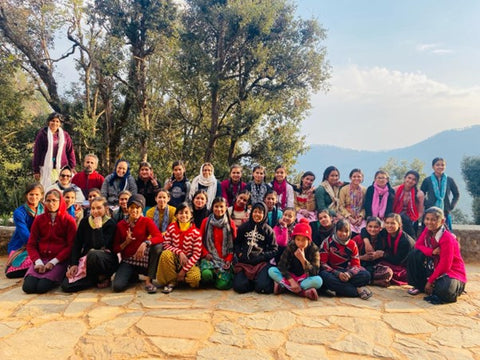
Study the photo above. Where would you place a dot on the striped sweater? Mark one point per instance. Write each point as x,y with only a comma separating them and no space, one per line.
188,242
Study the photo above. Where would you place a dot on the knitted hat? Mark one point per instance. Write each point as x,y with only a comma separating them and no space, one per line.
303,228
136,199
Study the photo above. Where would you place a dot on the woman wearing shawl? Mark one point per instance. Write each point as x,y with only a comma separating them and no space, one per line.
53,150
118,181
206,181
283,188
304,198
409,202
438,189
18,261
93,261
379,196
351,199
49,245
327,194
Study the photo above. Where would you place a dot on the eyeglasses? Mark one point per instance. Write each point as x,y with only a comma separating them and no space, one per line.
65,175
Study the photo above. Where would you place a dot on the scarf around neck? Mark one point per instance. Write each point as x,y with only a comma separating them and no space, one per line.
411,208
49,156
281,190
156,218
227,244
440,189
379,206
332,192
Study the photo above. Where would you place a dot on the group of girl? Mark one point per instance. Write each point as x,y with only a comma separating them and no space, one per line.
255,236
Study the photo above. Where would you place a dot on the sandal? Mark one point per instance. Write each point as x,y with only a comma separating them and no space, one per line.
167,289
413,291
150,288
365,294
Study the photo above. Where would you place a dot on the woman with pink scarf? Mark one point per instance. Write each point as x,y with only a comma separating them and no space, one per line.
380,196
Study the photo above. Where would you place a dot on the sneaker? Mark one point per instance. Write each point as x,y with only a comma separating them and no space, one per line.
278,288
311,294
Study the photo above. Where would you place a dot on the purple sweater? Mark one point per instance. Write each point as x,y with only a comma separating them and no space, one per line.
40,150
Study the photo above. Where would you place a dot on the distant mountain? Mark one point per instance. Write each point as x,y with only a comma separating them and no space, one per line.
452,145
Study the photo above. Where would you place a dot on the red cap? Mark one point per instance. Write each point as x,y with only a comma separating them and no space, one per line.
303,228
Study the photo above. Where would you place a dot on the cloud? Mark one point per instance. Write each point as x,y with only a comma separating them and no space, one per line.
434,48
378,108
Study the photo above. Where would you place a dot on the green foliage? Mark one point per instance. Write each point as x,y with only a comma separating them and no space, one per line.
397,170
459,217
471,174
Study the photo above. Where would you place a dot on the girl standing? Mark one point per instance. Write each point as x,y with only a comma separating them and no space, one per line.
257,187
304,197
436,266
178,184
162,214
206,181
340,266
93,261
240,211
283,189
440,190
298,267
49,245
409,202
379,196
182,250
218,234
254,247
118,181
18,260
351,200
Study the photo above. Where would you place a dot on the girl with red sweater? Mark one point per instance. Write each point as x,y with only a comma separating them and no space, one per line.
218,234
49,245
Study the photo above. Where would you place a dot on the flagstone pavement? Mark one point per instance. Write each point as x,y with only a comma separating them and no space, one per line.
212,324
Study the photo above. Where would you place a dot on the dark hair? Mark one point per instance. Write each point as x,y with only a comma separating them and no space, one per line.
56,192
290,209
437,159
329,212
436,211
55,115
270,191
178,163
102,199
256,167
343,224
378,172
327,172
305,174
97,190
354,171
375,219
181,207
198,192
234,166
414,173
69,190
144,164
33,186
156,192
395,217
219,199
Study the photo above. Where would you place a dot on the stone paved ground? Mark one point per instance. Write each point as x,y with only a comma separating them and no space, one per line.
211,324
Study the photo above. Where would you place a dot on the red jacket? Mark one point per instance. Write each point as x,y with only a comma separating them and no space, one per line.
48,241
144,229
86,182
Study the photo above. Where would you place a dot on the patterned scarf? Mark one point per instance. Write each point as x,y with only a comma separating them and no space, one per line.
356,200
281,190
332,192
39,210
258,191
394,246
379,205
156,218
411,207
227,244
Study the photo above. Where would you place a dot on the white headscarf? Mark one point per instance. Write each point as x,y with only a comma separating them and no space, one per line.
210,182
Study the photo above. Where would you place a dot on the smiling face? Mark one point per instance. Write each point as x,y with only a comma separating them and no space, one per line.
258,176
439,167
121,168
432,222
257,215
52,202
236,174
381,180
33,197
144,173
162,199
70,198
207,171
270,201
410,181
301,241
373,228
307,182
54,124
324,219
219,209
199,201
343,234
356,178
288,217
184,215
93,194
134,212
280,175
97,209
122,201
333,177
391,226
242,200
65,177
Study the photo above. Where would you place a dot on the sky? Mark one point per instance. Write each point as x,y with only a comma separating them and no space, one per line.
402,71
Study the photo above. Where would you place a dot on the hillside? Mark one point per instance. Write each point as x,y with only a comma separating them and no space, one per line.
452,145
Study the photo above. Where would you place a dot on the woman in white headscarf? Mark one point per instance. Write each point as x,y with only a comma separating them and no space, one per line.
52,151
206,181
